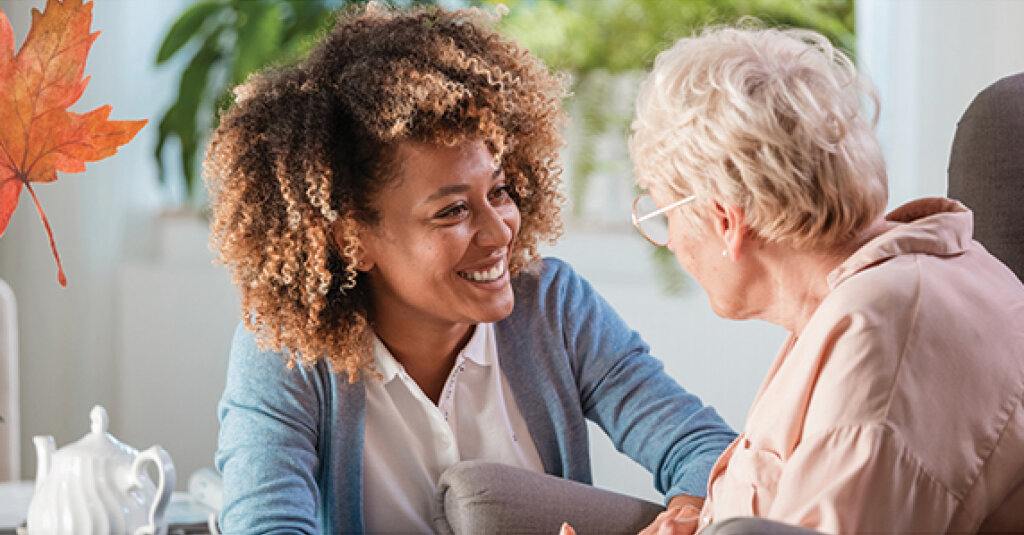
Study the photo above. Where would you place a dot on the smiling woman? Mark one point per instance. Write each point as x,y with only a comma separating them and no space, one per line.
324,139
380,205
438,258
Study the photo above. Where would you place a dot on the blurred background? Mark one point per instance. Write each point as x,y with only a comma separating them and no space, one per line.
145,323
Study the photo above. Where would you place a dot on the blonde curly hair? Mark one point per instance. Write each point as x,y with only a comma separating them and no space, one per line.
769,120
300,156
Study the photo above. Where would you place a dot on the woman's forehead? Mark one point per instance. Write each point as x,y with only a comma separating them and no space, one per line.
430,171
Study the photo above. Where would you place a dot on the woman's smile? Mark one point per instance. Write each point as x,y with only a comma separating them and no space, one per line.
496,273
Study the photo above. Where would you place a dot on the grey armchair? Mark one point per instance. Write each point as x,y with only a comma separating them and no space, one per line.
475,497
986,169
480,497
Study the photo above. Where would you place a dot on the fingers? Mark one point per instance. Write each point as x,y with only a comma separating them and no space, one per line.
674,521
566,529
661,519
684,522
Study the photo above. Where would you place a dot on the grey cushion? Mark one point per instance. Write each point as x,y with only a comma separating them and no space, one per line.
476,497
986,169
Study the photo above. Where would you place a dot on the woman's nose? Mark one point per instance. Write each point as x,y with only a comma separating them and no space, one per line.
494,228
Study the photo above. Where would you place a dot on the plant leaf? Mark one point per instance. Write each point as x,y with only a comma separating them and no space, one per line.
10,190
246,36
51,61
260,26
186,27
38,135
181,119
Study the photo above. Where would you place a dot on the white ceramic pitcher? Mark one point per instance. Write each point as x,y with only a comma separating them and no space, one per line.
99,486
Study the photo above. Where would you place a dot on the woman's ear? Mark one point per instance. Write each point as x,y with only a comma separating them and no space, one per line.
363,262
363,247
351,236
730,226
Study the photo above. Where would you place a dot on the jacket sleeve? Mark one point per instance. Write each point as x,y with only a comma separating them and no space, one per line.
626,391
267,447
849,480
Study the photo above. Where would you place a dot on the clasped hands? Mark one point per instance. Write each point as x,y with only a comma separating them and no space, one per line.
680,518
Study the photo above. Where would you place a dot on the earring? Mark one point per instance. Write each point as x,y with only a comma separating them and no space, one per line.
724,252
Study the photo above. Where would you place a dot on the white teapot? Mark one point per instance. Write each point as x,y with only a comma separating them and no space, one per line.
99,486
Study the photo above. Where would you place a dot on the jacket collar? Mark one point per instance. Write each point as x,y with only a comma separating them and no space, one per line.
934,226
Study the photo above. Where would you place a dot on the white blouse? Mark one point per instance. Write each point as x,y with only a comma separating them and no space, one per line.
409,441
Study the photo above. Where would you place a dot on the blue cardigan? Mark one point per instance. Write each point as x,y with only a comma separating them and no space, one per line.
291,442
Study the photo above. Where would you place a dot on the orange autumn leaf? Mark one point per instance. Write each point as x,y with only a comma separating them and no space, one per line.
38,135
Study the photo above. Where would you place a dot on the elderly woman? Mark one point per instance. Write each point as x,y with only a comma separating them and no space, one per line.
895,405
380,205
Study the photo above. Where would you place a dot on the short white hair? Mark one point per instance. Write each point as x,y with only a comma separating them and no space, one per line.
769,120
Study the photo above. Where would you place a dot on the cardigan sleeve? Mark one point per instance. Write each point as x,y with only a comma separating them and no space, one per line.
267,447
625,390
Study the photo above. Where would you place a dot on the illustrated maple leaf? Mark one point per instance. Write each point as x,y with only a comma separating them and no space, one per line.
38,135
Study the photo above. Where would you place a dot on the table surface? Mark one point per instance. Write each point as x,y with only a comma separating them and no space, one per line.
184,514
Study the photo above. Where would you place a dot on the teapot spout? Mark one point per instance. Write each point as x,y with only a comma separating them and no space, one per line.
45,448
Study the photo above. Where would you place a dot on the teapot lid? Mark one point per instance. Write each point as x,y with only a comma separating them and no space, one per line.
98,442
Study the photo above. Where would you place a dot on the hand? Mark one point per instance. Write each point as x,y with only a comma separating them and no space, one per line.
683,521
674,521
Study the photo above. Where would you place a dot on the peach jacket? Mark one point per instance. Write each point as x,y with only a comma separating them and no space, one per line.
898,409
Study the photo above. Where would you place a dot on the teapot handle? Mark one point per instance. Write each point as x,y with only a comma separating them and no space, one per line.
164,487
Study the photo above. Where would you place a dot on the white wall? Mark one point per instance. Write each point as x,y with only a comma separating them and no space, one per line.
69,357
928,59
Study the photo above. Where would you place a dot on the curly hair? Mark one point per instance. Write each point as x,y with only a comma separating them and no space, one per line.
767,119
299,158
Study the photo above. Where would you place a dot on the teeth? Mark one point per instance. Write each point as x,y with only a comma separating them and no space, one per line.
485,276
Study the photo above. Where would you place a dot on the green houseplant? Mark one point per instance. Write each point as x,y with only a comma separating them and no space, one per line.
222,41
589,39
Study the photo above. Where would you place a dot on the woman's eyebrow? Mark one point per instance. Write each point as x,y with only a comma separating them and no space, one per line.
460,188
448,190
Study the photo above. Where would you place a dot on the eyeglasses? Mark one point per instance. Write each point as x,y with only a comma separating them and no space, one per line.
651,221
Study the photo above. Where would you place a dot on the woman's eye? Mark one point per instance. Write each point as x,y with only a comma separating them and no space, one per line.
501,193
452,212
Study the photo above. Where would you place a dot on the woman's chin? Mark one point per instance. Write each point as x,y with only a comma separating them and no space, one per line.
497,310
725,311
